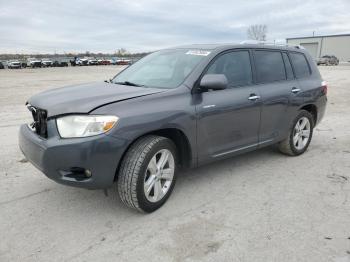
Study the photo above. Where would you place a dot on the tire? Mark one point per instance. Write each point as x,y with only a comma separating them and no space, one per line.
140,166
288,146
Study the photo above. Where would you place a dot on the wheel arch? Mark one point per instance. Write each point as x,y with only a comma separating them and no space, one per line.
181,141
312,109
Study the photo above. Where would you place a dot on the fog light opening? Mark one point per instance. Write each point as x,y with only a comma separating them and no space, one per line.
78,173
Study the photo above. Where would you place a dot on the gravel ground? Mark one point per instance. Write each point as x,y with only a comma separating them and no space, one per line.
261,206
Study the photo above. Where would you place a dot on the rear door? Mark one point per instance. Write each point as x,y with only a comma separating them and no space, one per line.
308,81
228,120
277,85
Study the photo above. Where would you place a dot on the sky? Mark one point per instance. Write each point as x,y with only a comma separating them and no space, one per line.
58,26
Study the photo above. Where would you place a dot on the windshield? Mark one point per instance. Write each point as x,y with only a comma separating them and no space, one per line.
163,69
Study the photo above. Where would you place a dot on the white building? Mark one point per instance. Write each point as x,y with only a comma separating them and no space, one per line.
338,45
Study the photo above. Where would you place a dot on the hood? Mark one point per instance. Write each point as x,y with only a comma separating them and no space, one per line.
86,97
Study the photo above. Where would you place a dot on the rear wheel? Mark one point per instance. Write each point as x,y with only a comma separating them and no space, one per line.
299,136
147,174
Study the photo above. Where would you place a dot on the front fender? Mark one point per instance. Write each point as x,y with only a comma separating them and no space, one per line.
172,109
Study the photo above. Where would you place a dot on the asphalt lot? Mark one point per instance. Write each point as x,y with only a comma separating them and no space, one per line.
261,206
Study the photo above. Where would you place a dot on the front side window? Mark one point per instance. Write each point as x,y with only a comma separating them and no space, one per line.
235,66
301,67
269,66
163,69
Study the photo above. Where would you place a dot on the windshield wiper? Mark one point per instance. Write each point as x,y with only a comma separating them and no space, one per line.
127,83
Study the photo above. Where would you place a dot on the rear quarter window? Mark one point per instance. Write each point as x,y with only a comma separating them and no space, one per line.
269,66
300,64
288,65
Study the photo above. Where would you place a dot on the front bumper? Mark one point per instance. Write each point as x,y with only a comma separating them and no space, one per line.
59,158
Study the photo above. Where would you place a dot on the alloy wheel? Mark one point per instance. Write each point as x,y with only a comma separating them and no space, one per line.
301,134
159,175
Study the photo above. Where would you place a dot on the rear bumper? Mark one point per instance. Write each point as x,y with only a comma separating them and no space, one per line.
321,108
59,158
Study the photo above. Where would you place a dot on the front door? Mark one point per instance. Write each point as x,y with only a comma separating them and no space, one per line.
228,120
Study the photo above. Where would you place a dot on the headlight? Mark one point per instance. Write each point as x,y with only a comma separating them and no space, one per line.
84,125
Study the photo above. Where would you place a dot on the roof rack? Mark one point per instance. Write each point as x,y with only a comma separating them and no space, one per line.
258,42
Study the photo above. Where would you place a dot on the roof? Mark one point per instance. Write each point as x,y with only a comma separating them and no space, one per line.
318,36
233,45
200,46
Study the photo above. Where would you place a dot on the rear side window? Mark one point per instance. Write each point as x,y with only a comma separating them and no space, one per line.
289,69
269,66
235,66
301,67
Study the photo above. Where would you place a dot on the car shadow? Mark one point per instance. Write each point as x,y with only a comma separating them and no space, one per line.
187,178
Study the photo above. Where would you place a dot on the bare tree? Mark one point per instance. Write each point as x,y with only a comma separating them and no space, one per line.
122,52
257,32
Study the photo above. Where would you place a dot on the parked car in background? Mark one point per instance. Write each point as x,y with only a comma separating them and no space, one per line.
2,65
46,62
186,106
74,61
82,61
59,62
328,60
34,62
14,64
123,61
113,60
104,62
92,61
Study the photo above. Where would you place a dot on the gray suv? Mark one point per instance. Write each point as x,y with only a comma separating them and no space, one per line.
328,60
180,107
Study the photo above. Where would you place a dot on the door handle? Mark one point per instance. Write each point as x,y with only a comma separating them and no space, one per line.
295,90
253,97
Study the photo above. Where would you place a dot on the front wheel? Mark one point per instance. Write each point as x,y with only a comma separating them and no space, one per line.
299,136
147,173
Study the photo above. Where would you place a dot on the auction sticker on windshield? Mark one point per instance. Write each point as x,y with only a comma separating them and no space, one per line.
198,52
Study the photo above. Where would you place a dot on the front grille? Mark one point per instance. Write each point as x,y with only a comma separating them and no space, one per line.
39,125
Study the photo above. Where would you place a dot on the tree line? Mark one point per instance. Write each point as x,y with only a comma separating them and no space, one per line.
119,53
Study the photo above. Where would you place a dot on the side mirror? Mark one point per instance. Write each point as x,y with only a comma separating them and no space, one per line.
214,82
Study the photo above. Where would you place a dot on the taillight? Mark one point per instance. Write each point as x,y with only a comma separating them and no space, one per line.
324,87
